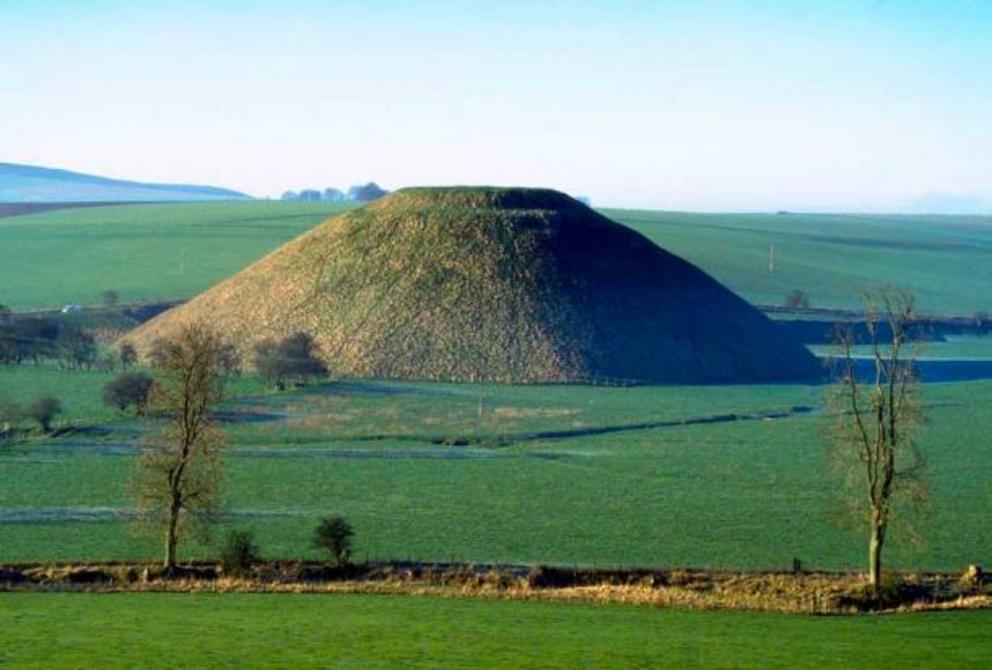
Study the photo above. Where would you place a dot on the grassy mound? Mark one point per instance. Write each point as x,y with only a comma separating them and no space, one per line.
506,285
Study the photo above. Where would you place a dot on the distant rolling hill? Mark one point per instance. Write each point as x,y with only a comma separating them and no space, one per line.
32,184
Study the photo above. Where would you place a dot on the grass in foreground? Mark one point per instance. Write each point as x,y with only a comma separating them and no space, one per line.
169,630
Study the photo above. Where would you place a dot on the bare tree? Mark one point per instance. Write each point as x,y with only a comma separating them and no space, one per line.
873,437
178,482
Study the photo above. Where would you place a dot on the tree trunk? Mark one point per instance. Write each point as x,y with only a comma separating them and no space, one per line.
875,544
170,540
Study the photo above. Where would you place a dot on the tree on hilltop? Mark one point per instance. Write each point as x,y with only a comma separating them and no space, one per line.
366,192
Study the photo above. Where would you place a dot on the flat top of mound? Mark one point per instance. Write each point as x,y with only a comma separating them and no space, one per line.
477,197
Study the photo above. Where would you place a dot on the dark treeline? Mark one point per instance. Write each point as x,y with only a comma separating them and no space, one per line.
44,339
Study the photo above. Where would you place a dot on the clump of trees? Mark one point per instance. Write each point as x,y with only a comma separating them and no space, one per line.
76,349
877,412
43,411
358,193
292,359
10,413
40,339
129,390
178,482
365,192
30,339
334,534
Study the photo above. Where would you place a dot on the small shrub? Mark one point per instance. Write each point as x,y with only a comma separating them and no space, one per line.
43,411
10,413
334,534
127,355
893,590
550,577
797,300
110,297
238,553
973,576
105,362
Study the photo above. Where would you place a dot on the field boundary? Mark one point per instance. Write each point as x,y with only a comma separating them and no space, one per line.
798,592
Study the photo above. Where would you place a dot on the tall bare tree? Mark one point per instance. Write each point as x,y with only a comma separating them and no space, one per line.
876,420
178,481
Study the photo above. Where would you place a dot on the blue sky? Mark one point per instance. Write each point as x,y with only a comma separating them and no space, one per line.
867,105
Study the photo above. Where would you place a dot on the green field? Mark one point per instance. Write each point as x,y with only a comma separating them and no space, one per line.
946,261
622,482
962,347
79,392
717,476
159,252
144,252
181,630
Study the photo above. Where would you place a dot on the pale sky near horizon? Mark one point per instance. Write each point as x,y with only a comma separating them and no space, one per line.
854,105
